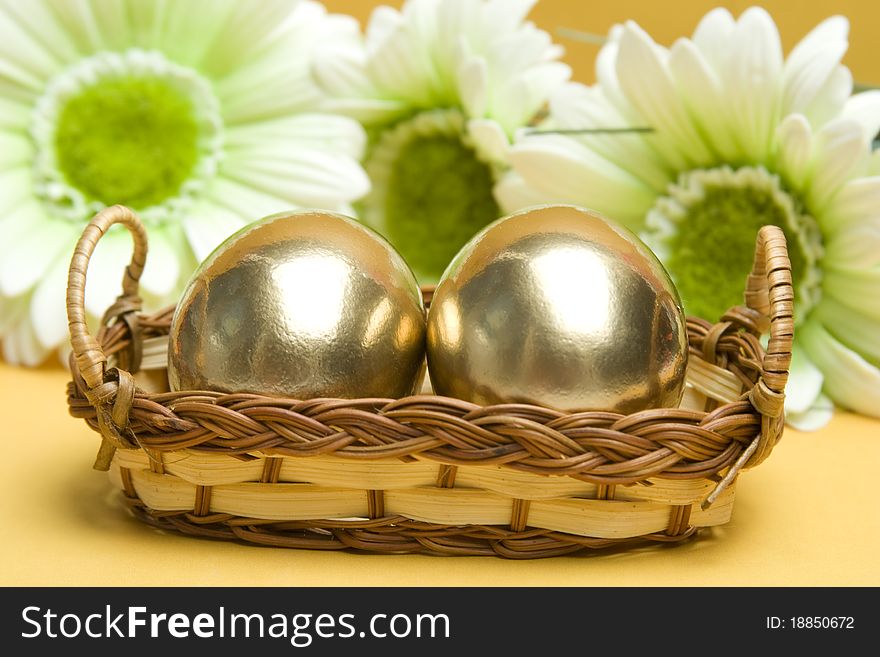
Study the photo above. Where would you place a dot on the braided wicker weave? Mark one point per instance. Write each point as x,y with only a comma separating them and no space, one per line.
427,473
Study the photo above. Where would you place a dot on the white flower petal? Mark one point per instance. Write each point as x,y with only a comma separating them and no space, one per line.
857,245
713,35
248,203
645,79
276,81
519,60
341,69
21,217
812,62
804,383
106,270
857,288
162,272
208,225
235,35
507,108
14,115
307,177
840,152
540,81
477,57
41,21
48,310
854,329
384,20
113,25
21,347
337,134
752,78
864,108
369,111
513,193
849,379
858,198
232,33
473,83
572,174
814,418
577,107
16,150
831,98
22,48
701,91
488,139
795,149
16,188
510,53
458,25
17,84
606,76
803,84
268,89
80,20
420,17
402,69
28,255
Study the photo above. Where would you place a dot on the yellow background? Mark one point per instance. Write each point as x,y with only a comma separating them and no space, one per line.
807,516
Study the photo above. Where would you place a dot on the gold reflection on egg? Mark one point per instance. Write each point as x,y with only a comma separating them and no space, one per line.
306,304
560,307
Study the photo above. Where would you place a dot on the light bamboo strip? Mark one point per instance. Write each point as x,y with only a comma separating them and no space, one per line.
600,518
154,353
538,487
583,517
612,519
693,399
713,381
706,378
391,474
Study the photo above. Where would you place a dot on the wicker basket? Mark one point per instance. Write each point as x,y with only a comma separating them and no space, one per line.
426,473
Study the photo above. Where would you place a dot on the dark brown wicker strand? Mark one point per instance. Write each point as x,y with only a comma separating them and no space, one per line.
393,535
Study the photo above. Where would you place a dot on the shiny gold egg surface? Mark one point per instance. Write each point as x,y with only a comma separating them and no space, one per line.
560,307
306,304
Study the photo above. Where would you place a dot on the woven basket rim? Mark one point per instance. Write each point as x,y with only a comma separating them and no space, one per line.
733,341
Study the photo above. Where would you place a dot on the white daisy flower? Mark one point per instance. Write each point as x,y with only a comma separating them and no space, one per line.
742,137
442,85
199,115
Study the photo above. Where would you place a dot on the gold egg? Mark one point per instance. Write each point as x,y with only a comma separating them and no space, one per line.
560,307
306,304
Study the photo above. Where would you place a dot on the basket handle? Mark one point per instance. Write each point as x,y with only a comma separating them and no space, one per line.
769,292
769,296
110,392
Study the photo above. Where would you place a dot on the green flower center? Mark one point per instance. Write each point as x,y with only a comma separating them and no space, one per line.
431,190
704,232
131,141
128,128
